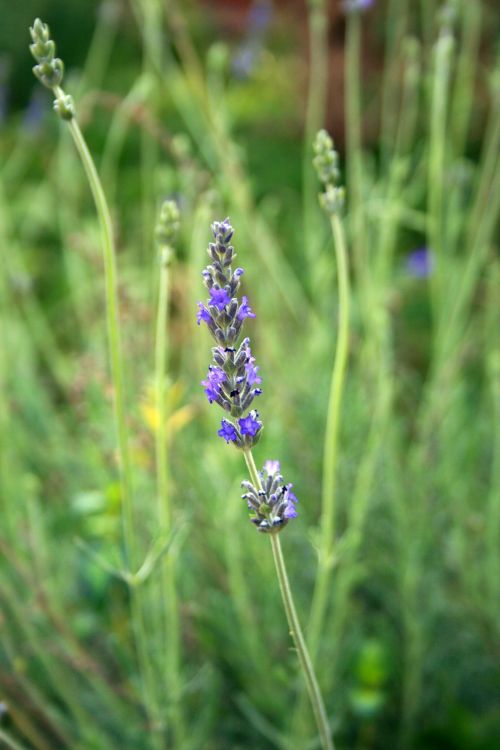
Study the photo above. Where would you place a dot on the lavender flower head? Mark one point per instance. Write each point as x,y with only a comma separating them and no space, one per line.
233,378
272,504
50,69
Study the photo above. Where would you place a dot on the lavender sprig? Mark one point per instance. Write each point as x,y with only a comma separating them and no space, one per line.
232,380
50,69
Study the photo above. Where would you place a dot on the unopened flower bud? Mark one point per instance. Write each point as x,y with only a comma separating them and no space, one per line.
64,106
50,69
167,228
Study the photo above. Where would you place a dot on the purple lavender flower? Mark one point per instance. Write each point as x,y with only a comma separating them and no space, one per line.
213,382
291,501
203,314
245,311
420,263
228,432
219,298
251,370
250,425
232,379
272,504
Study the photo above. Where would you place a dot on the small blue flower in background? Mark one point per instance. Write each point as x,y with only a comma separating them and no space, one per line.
259,16
420,263
354,6
248,53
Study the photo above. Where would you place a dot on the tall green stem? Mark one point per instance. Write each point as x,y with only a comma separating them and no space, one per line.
330,454
113,327
172,631
353,137
315,116
294,625
437,153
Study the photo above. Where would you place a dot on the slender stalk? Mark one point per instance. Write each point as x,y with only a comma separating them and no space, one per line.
353,137
467,63
397,22
113,327
397,157
493,505
172,629
10,741
294,625
164,509
330,453
315,116
116,362
437,153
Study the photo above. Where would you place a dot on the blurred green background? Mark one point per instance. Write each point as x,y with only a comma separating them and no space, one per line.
214,105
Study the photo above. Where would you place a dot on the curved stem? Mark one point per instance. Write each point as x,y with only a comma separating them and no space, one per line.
294,625
116,363
113,327
330,454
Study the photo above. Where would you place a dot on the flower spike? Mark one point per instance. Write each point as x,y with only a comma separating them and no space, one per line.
233,378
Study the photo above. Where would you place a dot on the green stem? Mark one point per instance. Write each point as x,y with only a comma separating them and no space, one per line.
164,509
397,22
294,625
463,92
116,362
437,153
353,137
172,629
10,742
315,116
397,169
113,327
330,454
